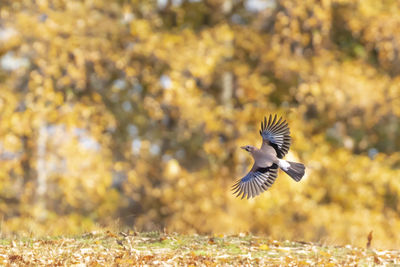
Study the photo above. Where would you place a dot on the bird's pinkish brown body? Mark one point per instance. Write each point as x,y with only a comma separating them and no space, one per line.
265,156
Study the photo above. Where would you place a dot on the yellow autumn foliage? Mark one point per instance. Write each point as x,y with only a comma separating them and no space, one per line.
131,114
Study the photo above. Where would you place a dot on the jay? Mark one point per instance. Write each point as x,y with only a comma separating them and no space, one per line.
276,142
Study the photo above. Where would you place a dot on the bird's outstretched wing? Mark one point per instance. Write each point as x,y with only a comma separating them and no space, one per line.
276,133
255,182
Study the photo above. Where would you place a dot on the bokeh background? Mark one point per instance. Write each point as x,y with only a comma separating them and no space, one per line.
131,113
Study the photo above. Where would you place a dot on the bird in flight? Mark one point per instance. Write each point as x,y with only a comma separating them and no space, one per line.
276,142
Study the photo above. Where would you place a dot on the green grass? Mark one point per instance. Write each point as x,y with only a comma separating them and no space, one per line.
154,248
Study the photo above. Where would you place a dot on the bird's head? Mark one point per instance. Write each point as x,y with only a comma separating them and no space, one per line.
248,148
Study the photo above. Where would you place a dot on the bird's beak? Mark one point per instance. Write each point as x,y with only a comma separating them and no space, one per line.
243,147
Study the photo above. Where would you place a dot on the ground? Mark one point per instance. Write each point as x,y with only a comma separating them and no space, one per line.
161,249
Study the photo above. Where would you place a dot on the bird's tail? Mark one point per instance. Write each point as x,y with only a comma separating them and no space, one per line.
293,169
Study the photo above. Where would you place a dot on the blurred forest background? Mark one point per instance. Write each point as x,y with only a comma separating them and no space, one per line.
132,113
